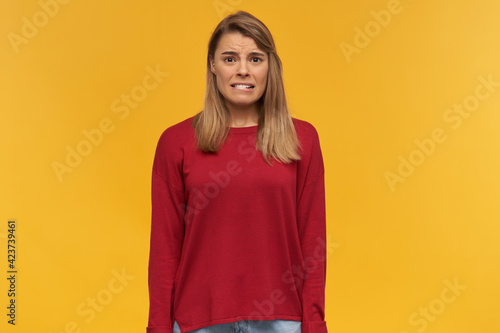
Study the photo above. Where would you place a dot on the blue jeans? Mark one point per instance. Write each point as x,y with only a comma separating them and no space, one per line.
250,326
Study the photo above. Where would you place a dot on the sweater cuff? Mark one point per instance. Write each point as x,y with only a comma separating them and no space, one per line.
159,329
313,327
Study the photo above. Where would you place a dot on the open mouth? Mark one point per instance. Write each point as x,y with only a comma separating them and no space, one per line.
243,86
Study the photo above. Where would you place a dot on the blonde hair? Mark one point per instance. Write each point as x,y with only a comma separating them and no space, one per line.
276,135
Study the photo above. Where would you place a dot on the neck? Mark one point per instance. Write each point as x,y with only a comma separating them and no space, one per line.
244,117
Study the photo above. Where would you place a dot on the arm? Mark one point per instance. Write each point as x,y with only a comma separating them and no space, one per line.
311,215
167,234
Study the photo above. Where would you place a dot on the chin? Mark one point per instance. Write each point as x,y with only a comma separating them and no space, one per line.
243,103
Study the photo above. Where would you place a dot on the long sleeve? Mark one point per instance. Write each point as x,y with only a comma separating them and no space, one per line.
167,231
311,215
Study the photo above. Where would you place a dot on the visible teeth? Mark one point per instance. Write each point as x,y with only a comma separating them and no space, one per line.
242,86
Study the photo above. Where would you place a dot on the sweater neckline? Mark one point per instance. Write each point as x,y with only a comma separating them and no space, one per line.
248,129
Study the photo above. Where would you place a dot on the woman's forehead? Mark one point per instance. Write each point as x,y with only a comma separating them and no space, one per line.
237,42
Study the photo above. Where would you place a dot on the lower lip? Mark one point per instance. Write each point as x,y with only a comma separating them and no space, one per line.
243,89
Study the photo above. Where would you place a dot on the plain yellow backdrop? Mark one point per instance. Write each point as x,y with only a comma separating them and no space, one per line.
404,94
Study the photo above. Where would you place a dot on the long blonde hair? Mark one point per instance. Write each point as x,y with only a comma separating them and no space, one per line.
276,135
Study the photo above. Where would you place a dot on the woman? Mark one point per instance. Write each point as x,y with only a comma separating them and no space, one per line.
238,231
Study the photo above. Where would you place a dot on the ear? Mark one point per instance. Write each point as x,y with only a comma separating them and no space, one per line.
212,65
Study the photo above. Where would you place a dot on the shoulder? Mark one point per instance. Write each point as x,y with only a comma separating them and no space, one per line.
311,163
177,133
179,129
306,132
309,142
174,141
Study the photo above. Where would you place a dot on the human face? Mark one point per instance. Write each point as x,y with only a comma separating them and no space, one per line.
238,60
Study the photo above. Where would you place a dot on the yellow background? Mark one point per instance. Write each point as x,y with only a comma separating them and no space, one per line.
393,249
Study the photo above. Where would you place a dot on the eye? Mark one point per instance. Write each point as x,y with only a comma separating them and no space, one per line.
226,59
257,59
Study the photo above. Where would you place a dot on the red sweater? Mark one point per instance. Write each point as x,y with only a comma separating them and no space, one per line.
233,238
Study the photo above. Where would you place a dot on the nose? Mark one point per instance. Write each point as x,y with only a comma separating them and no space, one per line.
243,69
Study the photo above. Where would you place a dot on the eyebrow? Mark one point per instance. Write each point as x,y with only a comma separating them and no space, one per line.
251,53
